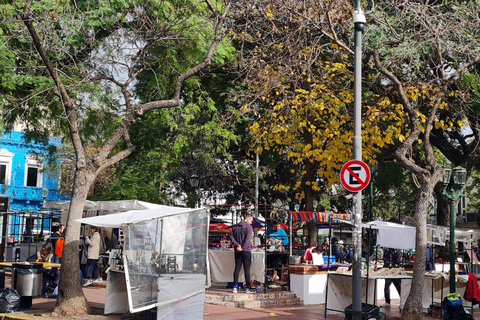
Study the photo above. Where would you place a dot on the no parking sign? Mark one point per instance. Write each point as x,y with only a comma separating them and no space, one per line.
355,175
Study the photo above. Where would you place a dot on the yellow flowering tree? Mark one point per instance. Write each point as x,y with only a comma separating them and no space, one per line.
313,130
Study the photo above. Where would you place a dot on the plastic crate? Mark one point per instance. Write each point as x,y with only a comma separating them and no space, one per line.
369,311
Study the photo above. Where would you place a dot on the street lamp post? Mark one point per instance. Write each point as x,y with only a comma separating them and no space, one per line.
194,184
456,178
44,193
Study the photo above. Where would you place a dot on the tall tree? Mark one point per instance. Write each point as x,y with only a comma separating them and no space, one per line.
296,67
420,50
89,55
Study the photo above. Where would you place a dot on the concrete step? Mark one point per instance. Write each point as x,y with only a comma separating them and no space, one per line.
257,300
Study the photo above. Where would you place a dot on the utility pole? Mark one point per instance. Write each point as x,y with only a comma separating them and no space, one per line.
359,21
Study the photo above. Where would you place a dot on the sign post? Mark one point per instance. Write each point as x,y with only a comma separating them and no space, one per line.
359,22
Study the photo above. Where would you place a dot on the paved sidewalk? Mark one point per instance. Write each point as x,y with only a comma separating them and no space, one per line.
95,295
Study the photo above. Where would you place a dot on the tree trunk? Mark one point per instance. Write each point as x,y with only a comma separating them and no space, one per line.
70,298
311,225
413,306
443,207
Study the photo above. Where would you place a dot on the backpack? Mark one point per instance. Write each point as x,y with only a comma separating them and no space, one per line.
453,310
59,247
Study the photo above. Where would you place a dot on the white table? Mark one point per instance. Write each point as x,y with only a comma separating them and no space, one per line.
222,265
339,292
309,282
433,284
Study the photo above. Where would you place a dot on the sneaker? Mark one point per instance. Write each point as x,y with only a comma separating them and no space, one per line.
88,282
99,279
235,290
248,290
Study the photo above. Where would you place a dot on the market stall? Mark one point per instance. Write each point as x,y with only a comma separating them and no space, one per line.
389,235
222,264
163,261
309,281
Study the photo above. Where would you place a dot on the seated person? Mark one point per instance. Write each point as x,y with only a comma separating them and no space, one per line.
338,252
307,256
51,274
277,237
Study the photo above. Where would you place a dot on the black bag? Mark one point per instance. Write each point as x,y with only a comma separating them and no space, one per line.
83,253
102,263
9,300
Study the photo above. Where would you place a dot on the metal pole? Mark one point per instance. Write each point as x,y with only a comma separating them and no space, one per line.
452,245
359,21
256,191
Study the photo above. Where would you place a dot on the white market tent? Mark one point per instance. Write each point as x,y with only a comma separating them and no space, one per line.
154,235
391,235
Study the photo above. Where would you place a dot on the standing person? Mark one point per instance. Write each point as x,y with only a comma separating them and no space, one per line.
392,258
27,234
91,269
54,238
241,236
325,245
109,240
277,236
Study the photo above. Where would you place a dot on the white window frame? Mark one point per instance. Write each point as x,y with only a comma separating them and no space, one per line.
6,158
33,162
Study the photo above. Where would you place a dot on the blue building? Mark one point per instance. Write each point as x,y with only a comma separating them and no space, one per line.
25,178
25,184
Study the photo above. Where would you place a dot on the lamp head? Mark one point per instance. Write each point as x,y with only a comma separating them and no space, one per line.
447,173
194,181
459,175
44,193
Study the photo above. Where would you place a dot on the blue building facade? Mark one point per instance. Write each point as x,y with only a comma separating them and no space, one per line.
23,177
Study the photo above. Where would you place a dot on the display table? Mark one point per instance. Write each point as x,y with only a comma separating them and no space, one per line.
436,287
222,265
309,282
339,292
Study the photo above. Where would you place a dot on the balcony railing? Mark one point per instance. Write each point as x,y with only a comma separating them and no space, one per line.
32,193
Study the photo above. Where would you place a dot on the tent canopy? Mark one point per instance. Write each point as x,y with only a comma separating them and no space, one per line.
391,235
105,207
115,220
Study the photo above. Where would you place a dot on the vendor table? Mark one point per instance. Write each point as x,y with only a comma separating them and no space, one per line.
45,264
309,282
339,290
436,285
222,264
